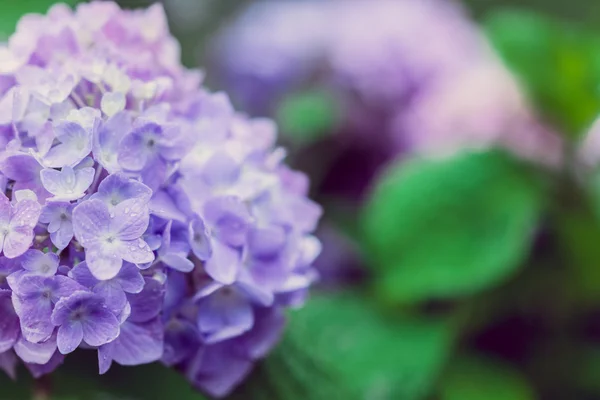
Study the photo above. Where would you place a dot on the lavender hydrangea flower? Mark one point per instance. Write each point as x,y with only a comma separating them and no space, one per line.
16,225
24,169
128,280
83,316
133,204
34,298
67,184
9,322
116,188
109,237
226,310
36,262
75,145
36,353
142,334
59,217
174,254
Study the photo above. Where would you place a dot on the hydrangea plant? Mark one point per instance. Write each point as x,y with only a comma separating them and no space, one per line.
140,215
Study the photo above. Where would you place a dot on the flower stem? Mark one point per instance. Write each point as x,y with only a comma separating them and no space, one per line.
96,181
41,389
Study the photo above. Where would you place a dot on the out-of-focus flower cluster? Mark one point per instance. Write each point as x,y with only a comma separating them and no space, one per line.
411,76
139,214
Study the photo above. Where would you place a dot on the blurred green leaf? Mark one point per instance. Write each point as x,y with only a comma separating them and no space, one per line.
154,381
586,370
19,389
340,347
579,239
593,189
558,63
78,379
578,227
308,116
473,378
13,10
441,229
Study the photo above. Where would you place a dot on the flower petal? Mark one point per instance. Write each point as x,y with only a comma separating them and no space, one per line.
101,328
69,337
198,239
135,251
102,264
224,264
138,343
130,278
148,303
9,322
131,218
90,220
36,353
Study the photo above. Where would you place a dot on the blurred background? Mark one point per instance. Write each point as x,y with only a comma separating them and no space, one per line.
453,148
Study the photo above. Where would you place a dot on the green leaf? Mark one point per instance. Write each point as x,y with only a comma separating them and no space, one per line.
154,381
579,239
12,12
587,368
473,378
558,63
578,229
308,116
78,378
339,347
19,389
443,229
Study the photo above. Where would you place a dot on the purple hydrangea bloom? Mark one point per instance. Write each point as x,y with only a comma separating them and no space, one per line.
141,216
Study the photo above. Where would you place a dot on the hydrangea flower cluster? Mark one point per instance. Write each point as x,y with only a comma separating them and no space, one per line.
140,215
410,77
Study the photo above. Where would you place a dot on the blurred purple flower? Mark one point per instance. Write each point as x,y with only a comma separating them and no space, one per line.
387,84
